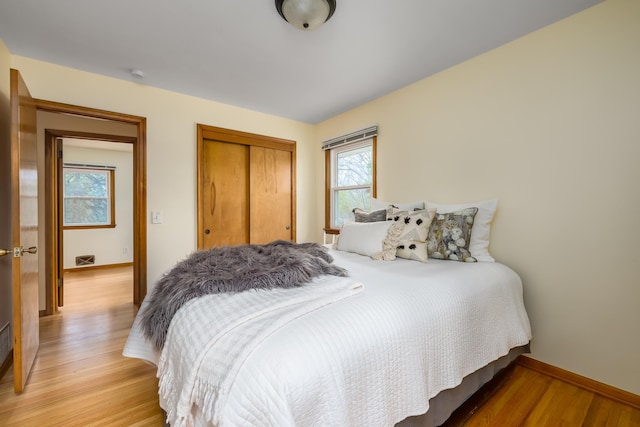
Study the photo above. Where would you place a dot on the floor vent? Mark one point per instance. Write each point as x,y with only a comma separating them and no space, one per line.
85,260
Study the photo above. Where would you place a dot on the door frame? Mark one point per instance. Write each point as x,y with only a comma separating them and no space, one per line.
51,203
53,187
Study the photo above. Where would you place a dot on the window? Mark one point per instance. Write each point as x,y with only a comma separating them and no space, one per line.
350,179
88,195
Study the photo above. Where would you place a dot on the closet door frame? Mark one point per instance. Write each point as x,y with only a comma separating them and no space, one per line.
205,132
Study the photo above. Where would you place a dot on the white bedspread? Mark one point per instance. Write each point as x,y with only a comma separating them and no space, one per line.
229,326
376,358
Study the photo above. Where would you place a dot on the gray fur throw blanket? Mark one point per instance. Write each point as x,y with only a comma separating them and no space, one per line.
232,269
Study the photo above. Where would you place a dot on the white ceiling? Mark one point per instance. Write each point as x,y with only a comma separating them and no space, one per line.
97,145
242,53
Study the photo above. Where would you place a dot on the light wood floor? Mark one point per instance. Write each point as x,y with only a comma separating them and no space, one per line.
81,379
527,398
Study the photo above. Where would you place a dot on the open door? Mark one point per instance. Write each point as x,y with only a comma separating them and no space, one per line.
57,146
24,217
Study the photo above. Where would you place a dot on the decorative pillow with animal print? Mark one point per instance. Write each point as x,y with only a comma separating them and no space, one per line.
415,232
416,223
450,235
412,249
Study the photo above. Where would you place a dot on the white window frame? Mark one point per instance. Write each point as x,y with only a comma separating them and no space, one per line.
334,188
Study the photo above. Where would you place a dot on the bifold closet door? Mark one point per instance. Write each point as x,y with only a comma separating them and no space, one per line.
270,195
225,198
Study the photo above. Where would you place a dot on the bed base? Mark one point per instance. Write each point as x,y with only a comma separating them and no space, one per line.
443,405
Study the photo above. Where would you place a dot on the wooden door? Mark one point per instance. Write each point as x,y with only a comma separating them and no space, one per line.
24,206
246,188
270,195
59,229
225,194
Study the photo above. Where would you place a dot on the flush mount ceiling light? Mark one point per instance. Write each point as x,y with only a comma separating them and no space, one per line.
306,14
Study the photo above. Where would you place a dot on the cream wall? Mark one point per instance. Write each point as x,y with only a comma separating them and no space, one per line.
109,245
550,125
171,148
6,294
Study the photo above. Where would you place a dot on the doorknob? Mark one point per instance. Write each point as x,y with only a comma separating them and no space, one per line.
19,251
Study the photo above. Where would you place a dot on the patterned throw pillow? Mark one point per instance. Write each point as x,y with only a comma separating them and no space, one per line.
416,223
412,242
450,234
481,234
364,216
412,249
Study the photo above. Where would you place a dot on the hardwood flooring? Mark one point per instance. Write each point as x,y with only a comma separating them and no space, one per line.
80,377
524,397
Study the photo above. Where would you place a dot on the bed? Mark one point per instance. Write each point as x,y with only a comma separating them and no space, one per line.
395,343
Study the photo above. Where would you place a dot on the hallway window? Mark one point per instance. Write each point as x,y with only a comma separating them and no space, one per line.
88,197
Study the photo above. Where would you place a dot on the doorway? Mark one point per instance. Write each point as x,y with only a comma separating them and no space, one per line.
94,193
53,265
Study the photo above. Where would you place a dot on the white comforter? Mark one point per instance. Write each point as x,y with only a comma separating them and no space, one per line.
372,359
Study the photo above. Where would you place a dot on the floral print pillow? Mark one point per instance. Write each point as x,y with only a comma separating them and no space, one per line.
450,235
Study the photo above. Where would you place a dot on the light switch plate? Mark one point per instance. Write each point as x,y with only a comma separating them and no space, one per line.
156,217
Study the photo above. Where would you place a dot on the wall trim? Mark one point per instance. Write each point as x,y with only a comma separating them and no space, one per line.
613,393
98,267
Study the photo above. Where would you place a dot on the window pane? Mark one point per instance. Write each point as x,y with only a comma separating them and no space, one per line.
346,200
87,197
86,211
354,167
85,184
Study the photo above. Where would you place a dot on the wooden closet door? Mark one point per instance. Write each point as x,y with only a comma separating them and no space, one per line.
270,195
225,195
246,188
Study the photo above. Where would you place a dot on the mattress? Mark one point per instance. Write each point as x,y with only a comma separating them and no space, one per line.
376,358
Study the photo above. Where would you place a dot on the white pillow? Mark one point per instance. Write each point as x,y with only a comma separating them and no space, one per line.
366,238
481,231
377,204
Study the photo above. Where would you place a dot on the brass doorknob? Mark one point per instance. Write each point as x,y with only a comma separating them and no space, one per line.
4,252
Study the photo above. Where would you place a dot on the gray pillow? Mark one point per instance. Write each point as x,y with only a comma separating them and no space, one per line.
364,216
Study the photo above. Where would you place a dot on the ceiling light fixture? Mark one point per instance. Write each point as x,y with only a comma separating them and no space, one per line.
306,14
